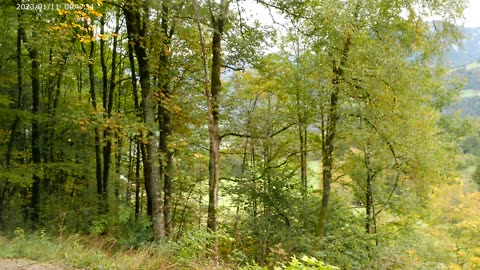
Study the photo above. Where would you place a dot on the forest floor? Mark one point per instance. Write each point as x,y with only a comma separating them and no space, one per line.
24,264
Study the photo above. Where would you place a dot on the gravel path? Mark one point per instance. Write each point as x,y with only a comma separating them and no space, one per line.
24,264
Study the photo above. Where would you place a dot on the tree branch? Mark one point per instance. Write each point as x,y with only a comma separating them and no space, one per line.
234,134
234,68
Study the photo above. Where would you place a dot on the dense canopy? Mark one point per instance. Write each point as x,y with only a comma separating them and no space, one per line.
314,128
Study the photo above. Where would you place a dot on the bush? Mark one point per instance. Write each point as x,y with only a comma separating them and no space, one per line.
305,263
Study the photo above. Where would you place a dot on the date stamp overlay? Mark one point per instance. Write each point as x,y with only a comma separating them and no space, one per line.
53,7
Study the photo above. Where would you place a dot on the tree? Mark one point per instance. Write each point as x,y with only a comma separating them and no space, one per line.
346,62
212,89
33,53
138,29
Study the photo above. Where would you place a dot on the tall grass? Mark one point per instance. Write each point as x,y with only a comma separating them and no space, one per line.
100,253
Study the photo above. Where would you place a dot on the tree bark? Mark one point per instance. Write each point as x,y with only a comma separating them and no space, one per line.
164,116
370,219
214,115
212,89
329,129
137,29
107,148
137,181
98,147
33,54
141,152
16,123
108,87
302,135
36,153
368,197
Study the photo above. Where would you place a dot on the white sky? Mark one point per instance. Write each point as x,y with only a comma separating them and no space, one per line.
472,14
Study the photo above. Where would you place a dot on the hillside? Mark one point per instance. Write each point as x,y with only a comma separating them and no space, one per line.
469,73
466,62
468,51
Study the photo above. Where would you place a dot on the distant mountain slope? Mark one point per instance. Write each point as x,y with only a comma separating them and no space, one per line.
469,73
466,106
469,50
465,61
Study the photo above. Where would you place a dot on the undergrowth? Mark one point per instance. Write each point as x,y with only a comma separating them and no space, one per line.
100,252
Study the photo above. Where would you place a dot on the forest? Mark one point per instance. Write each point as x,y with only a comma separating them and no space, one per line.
236,134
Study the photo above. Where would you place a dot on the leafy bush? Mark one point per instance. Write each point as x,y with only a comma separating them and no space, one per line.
192,247
345,243
305,263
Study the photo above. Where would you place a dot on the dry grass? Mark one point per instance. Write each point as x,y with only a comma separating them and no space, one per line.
97,253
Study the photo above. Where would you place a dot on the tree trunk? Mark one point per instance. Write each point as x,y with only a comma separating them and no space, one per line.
329,129
137,181
370,219
368,195
164,116
302,135
107,148
35,139
302,132
98,146
141,152
213,121
36,154
108,87
327,160
213,115
16,123
137,30
212,95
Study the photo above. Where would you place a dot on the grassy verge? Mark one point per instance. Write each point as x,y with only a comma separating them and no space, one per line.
83,252
97,253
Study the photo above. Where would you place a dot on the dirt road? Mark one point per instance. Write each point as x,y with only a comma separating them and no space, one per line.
24,264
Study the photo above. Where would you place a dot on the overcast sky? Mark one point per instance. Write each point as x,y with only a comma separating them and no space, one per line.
472,14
